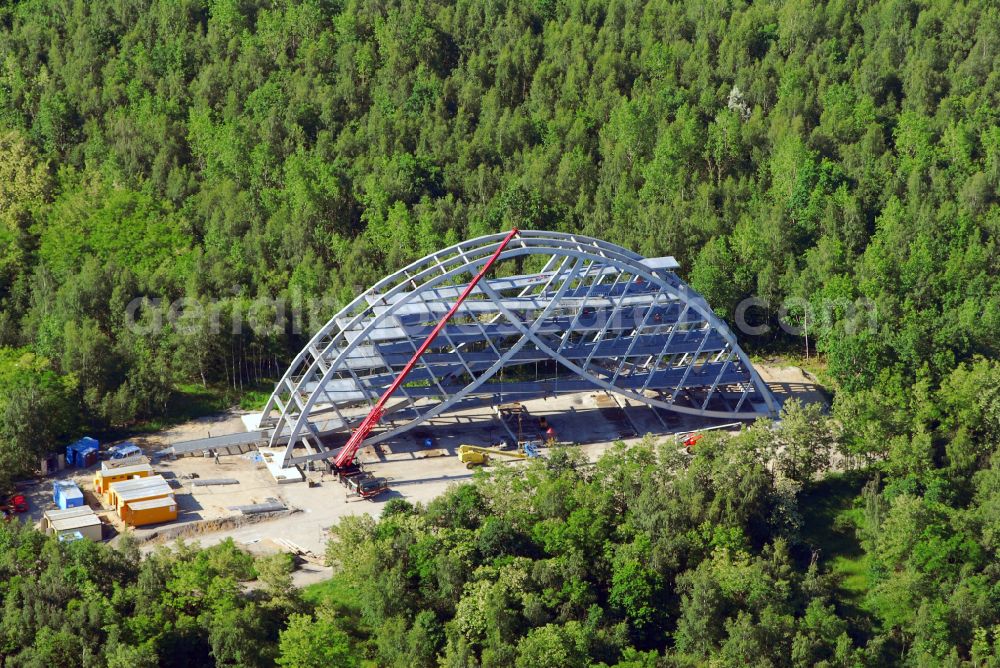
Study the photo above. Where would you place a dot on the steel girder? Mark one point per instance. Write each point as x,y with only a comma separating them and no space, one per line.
594,316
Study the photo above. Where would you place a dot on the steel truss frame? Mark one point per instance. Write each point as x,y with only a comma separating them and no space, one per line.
615,320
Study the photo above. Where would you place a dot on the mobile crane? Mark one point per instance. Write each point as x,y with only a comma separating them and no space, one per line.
343,463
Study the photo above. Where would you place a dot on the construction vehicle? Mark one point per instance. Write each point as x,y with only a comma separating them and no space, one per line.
16,504
352,471
689,439
366,485
360,482
344,460
692,440
473,455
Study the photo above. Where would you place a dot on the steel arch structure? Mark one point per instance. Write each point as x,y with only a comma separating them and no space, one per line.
593,315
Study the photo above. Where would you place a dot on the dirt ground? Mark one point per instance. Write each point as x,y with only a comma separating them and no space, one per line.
213,425
791,381
593,420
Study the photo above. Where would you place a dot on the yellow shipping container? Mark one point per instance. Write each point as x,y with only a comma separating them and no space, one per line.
153,511
143,489
104,479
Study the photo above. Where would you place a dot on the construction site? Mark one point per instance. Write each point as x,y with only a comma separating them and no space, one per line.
487,353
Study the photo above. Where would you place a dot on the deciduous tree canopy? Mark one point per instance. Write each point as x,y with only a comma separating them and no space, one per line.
845,155
840,154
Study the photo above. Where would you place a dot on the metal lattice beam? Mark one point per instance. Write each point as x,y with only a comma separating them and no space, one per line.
596,316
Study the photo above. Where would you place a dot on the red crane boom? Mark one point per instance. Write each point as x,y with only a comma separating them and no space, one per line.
346,456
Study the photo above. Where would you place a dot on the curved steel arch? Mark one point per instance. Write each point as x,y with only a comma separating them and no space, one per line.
611,318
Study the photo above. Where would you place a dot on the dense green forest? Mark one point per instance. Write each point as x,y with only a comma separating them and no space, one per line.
735,556
84,604
845,152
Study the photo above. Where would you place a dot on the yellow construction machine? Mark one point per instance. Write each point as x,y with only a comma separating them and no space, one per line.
473,455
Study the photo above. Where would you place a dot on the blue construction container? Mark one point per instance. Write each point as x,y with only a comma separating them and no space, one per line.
66,494
82,453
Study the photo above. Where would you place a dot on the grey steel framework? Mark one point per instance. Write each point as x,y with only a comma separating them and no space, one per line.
559,313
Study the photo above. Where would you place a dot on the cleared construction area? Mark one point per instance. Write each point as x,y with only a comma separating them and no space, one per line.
420,465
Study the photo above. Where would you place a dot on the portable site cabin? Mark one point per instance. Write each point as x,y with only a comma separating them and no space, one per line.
122,495
140,489
152,511
66,494
81,520
53,463
112,464
82,453
104,478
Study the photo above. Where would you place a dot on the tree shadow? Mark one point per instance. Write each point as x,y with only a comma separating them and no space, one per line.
828,535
